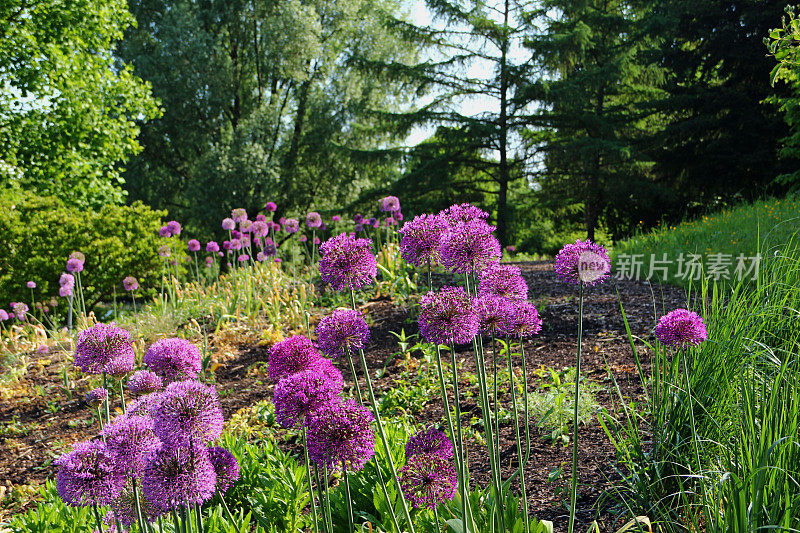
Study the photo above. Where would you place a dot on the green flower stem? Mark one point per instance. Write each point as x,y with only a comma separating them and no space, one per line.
187,518
446,405
225,506
684,356
106,402
527,413
327,499
96,514
137,504
496,411
462,450
310,488
122,397
348,498
519,440
573,498
199,514
355,378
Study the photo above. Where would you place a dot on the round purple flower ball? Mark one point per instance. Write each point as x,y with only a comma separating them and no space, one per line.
291,225
131,441
343,332
239,214
336,218
88,476
390,204
447,317
300,394
145,382
243,258
421,238
174,228
101,344
502,280
212,246
3,315
129,283
428,479
260,228
526,321
457,214
469,247
31,284
295,354
495,314
226,467
95,397
681,328
164,250
583,262
271,207
163,231
74,265
341,434
179,476
174,359
429,440
188,411
347,262
228,224
144,405
65,291
193,245
313,220
303,238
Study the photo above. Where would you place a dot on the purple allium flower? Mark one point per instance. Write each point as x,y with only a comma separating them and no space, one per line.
299,394
429,440
681,328
261,257
31,284
583,261
87,475
456,214
164,250
313,220
129,283
389,204
291,225
163,231
271,207
212,247
188,411
242,258
228,224
67,280
225,465
209,262
20,310
145,382
343,332
119,367
511,248
3,315
316,240
358,219
239,214
398,216
341,433
358,227
447,316
123,508
495,314
374,222
336,218
282,220
421,238
174,228
74,265
99,345
347,262
193,245
178,476
260,229
245,226
65,291
144,405
502,280
131,441
428,479
303,238
95,397
235,244
526,321
291,355
174,359
469,247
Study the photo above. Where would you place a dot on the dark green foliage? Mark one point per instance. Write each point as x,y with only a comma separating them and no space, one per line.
69,110
37,234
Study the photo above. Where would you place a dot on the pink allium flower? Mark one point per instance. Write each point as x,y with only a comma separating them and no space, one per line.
342,433
469,247
3,315
300,394
67,280
96,397
239,214
502,280
271,207
292,355
31,284
389,204
129,283
511,248
358,219
347,262
456,214
421,238
313,220
261,217
235,244
101,344
174,228
447,317
228,224
65,292
681,328
212,247
87,475
260,228
428,479
316,240
336,218
343,332
583,261
74,265
164,232
193,245
303,238
243,258
164,250
174,359
209,262
291,225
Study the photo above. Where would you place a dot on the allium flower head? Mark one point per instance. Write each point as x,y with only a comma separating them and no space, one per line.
65,291
67,280
129,283
236,244
300,394
429,440
99,345
456,214
242,258
193,245
145,382
502,280
164,250
681,328
583,261
303,238
495,314
3,315
163,231
291,225
131,441
526,321
119,367
74,265
358,219
228,224
174,228
469,247
77,255
96,397
343,332
259,229
212,247
239,214
341,433
447,316
178,476
174,359
31,284
428,479
123,508
245,226
225,465
390,204
291,355
188,411
271,207
313,220
421,238
87,475
144,405
347,262
336,218
20,310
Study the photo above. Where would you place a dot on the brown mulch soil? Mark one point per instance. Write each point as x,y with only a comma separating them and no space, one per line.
42,421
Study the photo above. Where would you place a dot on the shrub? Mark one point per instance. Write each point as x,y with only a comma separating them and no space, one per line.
37,234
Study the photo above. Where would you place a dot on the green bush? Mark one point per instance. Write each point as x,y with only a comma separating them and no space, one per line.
37,234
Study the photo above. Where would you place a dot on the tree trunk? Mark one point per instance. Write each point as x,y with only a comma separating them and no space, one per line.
502,198
294,148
